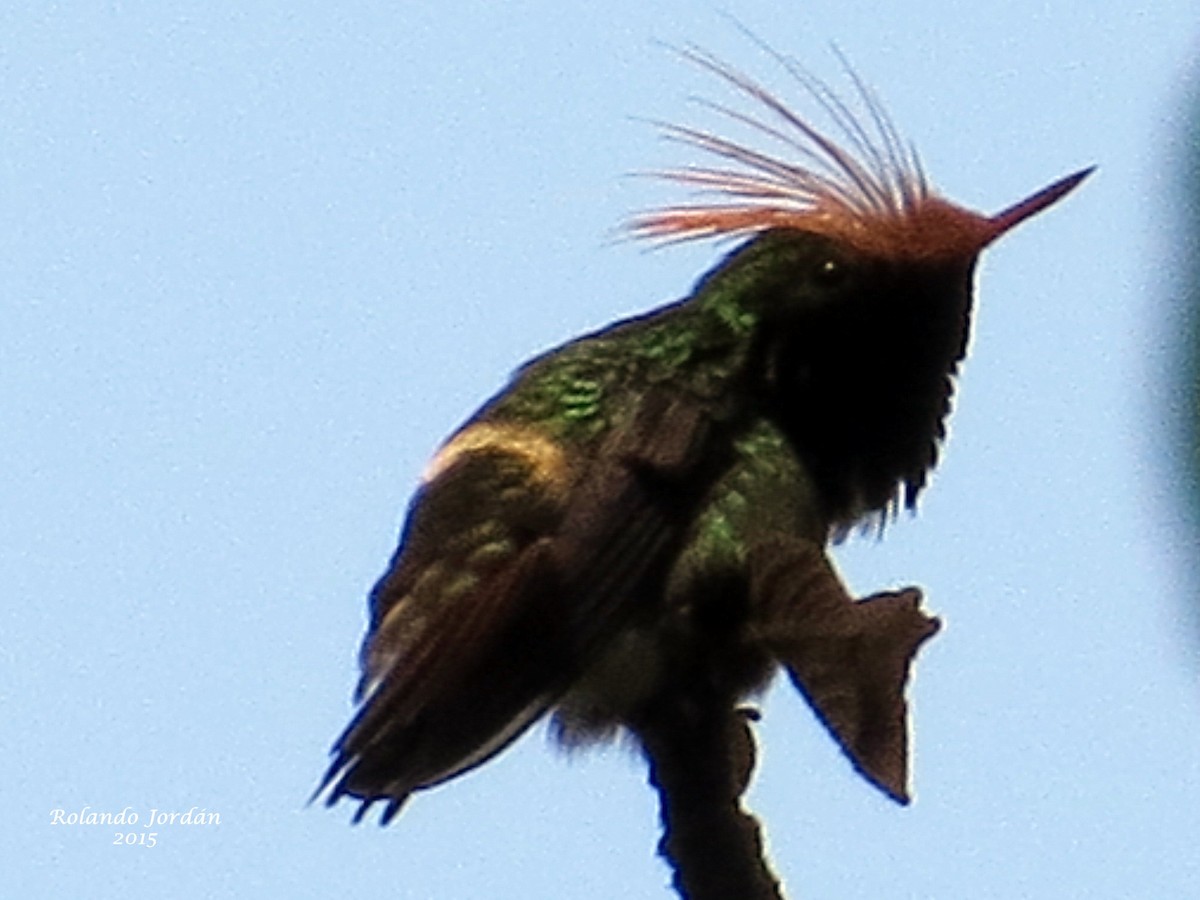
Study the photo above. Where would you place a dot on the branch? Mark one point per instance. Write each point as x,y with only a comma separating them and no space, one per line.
850,659
701,754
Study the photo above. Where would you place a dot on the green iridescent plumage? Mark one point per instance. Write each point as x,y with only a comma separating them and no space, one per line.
597,518
641,515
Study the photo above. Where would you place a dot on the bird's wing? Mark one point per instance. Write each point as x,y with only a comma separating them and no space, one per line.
514,566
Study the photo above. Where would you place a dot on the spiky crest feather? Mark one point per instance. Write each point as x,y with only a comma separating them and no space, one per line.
869,192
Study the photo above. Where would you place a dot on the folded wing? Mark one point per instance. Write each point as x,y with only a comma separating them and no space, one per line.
515,565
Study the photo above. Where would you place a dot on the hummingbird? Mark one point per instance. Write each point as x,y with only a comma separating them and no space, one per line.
651,504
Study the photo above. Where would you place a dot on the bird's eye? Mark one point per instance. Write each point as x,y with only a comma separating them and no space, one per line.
830,272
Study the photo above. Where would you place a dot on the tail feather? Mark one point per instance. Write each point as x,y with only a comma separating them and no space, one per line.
457,699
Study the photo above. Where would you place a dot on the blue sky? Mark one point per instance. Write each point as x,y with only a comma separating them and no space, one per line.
260,259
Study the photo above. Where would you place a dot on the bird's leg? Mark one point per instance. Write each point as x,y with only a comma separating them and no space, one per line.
849,658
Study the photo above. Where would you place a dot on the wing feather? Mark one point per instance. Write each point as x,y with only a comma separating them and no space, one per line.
505,585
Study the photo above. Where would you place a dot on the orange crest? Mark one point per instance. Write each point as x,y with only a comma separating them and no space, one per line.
870,193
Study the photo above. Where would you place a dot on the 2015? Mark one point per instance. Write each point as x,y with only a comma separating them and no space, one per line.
145,838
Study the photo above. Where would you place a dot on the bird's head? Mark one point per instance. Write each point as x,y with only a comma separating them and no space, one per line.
854,284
